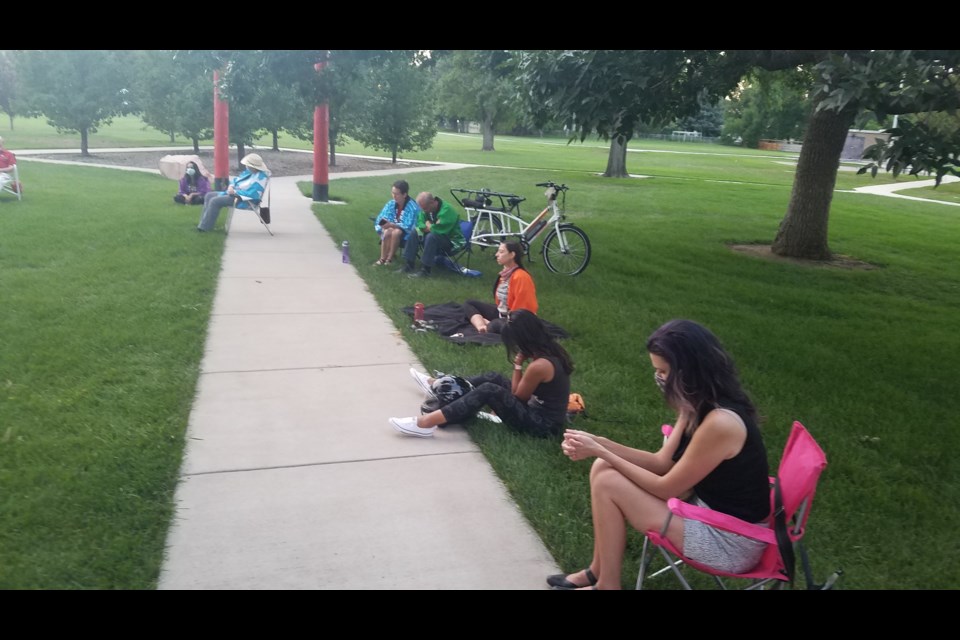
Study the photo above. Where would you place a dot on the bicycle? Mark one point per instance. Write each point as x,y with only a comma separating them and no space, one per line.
566,247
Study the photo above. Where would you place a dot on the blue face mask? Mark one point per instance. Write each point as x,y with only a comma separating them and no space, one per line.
191,171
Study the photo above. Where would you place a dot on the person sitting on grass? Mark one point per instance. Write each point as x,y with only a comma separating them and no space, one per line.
512,290
714,458
534,401
194,186
395,222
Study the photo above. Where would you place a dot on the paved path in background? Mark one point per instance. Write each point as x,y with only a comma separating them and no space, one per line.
892,189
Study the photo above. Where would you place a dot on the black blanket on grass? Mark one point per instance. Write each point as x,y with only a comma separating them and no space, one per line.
451,323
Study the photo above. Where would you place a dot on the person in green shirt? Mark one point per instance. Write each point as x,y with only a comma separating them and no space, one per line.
439,226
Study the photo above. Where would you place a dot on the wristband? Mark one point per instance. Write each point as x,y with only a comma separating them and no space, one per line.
517,367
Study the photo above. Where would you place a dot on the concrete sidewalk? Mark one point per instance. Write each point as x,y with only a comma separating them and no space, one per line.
293,478
892,189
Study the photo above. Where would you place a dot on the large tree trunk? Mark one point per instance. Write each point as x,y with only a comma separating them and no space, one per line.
617,159
173,137
803,230
84,142
276,140
196,145
486,127
241,151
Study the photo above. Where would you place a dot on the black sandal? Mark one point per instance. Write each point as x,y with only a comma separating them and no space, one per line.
559,581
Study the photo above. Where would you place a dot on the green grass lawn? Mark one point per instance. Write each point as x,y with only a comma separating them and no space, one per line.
864,358
107,298
107,290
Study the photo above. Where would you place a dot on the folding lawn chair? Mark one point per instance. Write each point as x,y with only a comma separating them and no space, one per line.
453,259
12,184
261,212
791,496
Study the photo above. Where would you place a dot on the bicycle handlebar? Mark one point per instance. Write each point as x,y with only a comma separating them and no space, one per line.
558,187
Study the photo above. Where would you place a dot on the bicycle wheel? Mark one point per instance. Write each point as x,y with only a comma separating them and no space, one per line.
566,252
487,227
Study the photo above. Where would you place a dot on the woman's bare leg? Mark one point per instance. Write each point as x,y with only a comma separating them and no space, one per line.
615,500
432,419
391,240
579,578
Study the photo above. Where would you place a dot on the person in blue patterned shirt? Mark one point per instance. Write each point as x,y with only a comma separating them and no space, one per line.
395,221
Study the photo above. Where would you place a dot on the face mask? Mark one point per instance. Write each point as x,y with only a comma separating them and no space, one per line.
661,382
191,171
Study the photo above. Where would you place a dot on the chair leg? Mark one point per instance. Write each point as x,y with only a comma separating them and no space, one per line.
255,212
263,222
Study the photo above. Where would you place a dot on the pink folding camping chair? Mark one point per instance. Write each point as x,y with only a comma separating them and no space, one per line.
791,496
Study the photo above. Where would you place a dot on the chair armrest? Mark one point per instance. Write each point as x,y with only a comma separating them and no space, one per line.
721,521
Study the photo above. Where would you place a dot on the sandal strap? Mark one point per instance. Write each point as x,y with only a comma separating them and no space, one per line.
591,579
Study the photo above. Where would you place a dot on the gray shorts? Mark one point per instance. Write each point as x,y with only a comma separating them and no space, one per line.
721,550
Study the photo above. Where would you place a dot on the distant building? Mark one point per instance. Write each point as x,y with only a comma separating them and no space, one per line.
858,141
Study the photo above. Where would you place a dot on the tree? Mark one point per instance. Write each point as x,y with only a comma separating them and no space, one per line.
395,115
477,85
280,107
340,89
770,105
77,91
886,82
612,92
245,77
8,85
596,89
708,121
337,85
176,95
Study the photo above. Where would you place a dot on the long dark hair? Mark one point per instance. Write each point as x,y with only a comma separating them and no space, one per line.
192,179
517,250
525,333
702,373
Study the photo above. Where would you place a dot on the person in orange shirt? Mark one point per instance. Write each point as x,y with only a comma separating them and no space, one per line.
512,290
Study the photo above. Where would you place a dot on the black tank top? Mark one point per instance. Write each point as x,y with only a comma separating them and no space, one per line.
552,397
739,486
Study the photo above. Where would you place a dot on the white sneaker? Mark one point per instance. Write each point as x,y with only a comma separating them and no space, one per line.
408,426
424,381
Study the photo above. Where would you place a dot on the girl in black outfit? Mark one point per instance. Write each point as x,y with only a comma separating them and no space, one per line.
533,401
714,458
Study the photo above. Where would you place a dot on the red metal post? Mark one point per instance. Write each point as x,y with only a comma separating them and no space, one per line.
221,137
321,148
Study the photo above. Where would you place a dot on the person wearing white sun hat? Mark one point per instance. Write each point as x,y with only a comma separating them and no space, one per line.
248,186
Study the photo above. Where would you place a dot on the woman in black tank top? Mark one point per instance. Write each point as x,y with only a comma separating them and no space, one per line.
534,400
715,449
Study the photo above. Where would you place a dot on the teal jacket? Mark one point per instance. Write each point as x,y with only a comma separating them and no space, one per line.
408,217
